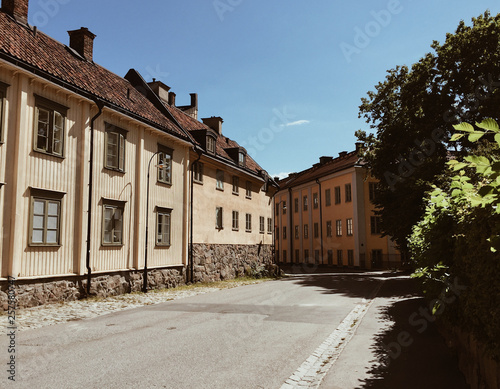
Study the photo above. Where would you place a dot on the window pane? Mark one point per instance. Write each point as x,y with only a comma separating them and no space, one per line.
107,237
57,139
52,222
38,222
39,207
51,236
122,152
53,209
37,236
43,129
112,150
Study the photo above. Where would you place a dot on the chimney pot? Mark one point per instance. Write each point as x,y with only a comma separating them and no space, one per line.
18,9
82,41
342,154
171,99
323,160
359,146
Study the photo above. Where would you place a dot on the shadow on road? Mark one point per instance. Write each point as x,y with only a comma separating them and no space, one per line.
351,284
411,354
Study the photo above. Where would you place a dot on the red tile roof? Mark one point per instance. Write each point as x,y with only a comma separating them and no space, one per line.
191,124
52,59
320,170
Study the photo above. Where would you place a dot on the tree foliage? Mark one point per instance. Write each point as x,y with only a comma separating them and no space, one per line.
411,113
459,238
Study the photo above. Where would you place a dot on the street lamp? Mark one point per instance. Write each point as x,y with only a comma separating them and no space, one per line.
145,275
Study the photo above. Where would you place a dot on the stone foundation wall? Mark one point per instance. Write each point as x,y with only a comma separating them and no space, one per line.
215,262
31,293
212,262
480,370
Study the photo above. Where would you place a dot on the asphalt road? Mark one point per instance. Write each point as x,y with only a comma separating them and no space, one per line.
252,336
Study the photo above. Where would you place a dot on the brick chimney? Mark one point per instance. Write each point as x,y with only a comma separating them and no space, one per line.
215,123
18,9
171,99
323,160
82,41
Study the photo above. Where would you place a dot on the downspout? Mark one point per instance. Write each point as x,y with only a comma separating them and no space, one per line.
100,105
191,254
321,222
291,234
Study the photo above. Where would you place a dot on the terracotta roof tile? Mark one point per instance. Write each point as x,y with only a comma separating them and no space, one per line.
191,124
317,171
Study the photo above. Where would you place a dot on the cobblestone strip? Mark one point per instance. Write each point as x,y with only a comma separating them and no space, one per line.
313,370
50,314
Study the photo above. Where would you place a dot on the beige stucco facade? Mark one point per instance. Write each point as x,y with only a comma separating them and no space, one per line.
25,171
208,197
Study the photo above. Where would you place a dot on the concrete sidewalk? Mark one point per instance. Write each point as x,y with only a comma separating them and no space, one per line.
396,346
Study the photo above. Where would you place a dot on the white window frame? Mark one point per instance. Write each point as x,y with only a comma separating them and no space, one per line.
349,227
163,226
120,148
219,179
165,158
219,218
236,220
47,128
118,209
262,224
248,222
236,185
43,219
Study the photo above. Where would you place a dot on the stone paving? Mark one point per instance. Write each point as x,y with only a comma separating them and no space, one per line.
36,317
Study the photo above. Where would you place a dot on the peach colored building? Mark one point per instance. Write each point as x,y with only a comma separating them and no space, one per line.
324,216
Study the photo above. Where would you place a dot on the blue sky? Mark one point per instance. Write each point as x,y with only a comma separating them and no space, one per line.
286,76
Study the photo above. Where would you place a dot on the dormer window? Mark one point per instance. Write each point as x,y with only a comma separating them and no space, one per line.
210,144
241,158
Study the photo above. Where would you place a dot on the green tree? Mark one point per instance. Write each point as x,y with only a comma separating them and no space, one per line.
458,238
411,113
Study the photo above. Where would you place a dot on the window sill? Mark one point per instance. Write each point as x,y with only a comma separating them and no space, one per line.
112,245
236,229
198,182
220,189
248,197
45,245
169,184
236,193
248,230
114,170
162,246
49,154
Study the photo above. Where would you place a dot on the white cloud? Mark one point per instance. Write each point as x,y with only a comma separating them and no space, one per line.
281,175
297,123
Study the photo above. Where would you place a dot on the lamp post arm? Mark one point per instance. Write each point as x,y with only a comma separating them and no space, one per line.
145,275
